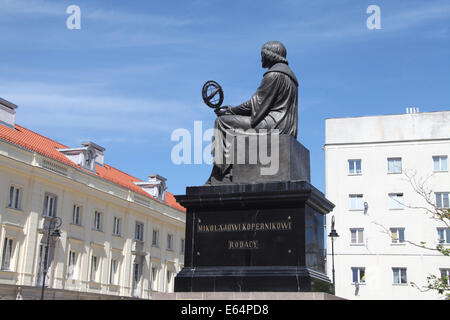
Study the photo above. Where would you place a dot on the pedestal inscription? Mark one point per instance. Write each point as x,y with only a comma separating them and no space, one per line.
246,237
245,227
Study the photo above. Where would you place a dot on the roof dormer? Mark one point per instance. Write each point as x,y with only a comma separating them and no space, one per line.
155,186
86,156
7,113
97,153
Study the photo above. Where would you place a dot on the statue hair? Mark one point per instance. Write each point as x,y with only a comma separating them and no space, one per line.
275,52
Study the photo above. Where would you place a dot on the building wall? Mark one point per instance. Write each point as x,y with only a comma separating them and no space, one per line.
415,138
36,175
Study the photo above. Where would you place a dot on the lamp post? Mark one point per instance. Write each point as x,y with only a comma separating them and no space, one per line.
52,231
333,234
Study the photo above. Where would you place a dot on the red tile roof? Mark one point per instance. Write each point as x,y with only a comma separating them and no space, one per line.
47,147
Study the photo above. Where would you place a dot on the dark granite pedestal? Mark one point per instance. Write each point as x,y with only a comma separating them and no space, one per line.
254,237
292,156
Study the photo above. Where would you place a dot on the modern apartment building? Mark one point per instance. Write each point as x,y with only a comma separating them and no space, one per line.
111,235
381,220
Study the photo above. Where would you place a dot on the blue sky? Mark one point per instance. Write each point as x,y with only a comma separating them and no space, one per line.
134,71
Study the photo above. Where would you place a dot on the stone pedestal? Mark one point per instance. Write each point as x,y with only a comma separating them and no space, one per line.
285,159
254,237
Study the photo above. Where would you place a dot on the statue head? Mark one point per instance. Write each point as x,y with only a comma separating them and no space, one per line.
273,52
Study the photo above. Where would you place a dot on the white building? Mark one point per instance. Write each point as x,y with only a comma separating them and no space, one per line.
120,237
367,161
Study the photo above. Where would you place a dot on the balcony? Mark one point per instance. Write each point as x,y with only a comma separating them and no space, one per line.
137,248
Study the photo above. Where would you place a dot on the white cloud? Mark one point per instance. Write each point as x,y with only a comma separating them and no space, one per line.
121,17
414,17
330,23
90,12
79,108
31,7
42,25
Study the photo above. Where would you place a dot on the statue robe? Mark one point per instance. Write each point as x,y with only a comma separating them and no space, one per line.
273,106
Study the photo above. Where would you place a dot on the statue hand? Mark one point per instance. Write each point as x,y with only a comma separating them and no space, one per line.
223,111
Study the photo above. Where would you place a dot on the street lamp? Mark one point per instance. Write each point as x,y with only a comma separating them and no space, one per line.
52,231
333,234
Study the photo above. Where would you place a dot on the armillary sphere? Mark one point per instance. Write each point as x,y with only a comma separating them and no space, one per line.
212,94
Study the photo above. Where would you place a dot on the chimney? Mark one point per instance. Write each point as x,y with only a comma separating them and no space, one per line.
155,186
7,113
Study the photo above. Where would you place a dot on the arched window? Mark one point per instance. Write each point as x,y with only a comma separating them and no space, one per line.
89,159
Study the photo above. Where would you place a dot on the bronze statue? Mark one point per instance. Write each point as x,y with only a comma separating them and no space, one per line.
272,107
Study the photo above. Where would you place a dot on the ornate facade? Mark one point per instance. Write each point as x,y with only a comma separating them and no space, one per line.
120,237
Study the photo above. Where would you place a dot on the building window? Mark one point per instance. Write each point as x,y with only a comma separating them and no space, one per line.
396,201
98,220
354,166
136,273
169,242
155,238
94,268
113,273
444,235
182,246
442,200
356,202
399,275
394,165
358,275
440,163
398,235
50,205
139,231
7,254
445,274
76,215
136,279
44,262
89,159
154,278
116,226
72,272
357,236
15,194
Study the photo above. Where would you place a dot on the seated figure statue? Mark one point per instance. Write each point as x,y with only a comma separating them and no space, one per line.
272,108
